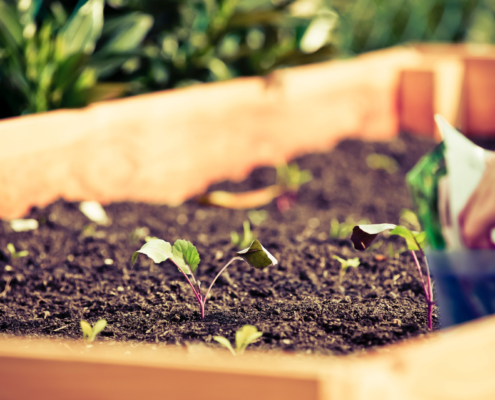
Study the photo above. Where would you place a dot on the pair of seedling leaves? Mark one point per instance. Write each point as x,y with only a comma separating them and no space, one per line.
185,255
243,337
363,235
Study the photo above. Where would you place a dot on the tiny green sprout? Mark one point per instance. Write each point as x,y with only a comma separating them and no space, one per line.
247,236
381,161
186,258
344,264
363,236
290,177
243,337
89,333
341,230
257,216
16,254
137,234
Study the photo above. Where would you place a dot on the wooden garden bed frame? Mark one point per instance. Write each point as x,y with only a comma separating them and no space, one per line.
218,131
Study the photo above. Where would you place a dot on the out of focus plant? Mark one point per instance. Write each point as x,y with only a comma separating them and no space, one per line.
243,338
345,264
245,239
90,333
48,59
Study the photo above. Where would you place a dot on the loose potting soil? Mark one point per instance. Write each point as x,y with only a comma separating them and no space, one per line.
77,270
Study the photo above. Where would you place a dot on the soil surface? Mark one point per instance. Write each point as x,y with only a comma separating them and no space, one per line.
77,270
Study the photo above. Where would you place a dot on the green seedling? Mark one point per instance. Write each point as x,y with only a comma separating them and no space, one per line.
383,162
363,236
341,230
89,333
257,216
393,252
243,337
289,179
138,234
345,264
247,236
186,258
16,254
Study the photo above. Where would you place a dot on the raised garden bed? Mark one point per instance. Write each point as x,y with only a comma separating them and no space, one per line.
299,304
205,134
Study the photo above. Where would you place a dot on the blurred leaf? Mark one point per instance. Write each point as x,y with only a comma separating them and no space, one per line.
86,330
245,336
82,30
107,91
225,343
10,27
125,33
97,328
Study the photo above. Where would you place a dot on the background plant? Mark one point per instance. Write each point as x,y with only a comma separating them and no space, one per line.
345,264
123,52
51,60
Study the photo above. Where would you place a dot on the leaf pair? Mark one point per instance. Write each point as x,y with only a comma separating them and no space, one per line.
363,235
89,333
183,254
243,337
344,264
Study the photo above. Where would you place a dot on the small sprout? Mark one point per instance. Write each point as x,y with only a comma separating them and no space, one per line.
363,236
95,212
291,178
138,234
392,252
381,161
344,264
186,258
247,236
16,254
243,337
341,230
89,334
257,216
23,225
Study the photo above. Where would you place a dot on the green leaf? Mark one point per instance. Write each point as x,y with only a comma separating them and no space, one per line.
257,256
245,336
225,343
126,32
82,30
10,27
11,248
407,235
157,249
187,252
87,331
97,328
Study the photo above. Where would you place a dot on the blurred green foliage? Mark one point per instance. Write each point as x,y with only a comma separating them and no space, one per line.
66,54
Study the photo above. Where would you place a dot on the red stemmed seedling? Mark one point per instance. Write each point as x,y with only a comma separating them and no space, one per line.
185,256
363,235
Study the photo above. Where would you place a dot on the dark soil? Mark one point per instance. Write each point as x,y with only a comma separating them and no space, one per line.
299,304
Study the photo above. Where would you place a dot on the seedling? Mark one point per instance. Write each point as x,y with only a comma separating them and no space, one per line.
89,333
290,178
247,236
381,161
243,337
16,254
137,234
257,216
363,236
341,230
344,264
186,258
